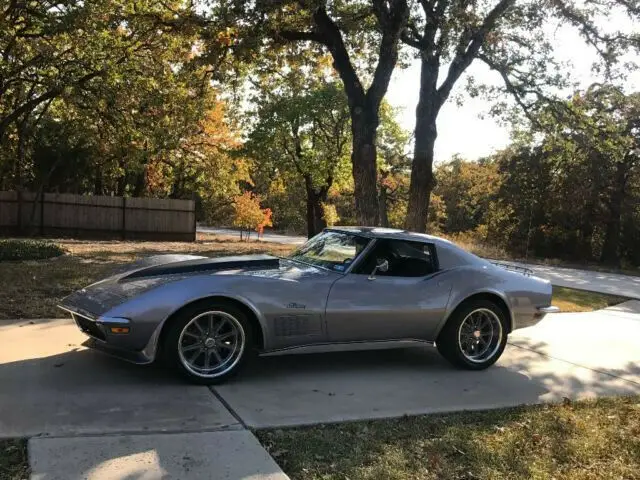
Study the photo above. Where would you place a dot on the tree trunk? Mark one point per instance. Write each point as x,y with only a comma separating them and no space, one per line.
140,183
422,180
363,106
98,187
318,214
610,248
364,124
584,250
315,220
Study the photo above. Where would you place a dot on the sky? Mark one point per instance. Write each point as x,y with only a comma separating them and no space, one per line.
469,130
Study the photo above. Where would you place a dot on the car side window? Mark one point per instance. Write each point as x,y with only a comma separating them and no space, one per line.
406,259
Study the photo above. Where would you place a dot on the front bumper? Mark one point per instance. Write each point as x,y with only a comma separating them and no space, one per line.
128,355
101,337
98,327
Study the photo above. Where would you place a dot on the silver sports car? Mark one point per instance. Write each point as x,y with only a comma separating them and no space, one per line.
346,288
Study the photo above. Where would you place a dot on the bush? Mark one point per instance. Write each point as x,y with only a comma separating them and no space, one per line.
473,241
12,250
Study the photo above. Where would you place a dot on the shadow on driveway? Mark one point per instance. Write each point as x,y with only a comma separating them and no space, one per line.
315,388
52,386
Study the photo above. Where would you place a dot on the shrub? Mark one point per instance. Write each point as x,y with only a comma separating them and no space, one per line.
12,250
473,242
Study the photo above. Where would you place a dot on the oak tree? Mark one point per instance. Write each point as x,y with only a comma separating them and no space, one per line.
305,132
362,38
512,38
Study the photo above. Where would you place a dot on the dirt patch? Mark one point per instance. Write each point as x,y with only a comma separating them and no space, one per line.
32,289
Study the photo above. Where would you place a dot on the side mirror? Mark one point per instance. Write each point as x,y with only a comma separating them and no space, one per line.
382,265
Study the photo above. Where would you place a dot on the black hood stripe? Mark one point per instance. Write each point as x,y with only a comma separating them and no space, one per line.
207,264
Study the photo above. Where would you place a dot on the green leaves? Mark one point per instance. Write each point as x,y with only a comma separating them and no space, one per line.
303,129
109,97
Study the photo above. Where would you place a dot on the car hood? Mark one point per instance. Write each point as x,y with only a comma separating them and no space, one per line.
151,272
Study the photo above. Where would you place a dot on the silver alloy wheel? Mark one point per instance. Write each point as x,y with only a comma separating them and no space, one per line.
480,335
211,344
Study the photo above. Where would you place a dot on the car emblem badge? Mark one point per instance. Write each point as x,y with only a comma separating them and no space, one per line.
296,305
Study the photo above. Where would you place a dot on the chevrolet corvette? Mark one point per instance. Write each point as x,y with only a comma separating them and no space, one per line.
346,288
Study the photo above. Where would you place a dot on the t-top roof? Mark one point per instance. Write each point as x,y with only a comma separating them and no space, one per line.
395,233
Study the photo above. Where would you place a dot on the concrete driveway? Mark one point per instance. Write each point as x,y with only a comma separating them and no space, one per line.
603,282
612,283
94,417
566,355
54,387
68,398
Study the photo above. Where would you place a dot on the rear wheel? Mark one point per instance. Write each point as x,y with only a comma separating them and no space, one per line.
475,336
209,343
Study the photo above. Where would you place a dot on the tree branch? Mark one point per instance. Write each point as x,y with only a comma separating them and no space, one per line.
409,38
393,26
34,102
332,39
514,90
294,36
434,19
602,43
467,50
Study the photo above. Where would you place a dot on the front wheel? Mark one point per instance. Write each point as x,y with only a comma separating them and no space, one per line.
209,343
475,336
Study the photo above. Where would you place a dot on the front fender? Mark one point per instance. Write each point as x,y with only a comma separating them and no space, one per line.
150,311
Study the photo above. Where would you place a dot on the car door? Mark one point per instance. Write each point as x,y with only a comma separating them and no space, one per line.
400,304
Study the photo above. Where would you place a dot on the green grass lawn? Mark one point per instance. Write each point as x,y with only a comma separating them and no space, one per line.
581,440
572,300
14,464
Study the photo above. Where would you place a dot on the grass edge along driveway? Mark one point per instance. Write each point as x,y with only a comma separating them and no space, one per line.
575,440
14,463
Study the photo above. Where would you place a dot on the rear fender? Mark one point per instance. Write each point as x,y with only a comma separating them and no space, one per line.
455,301
472,281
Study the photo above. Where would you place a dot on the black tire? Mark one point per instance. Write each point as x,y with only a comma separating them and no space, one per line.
173,357
449,344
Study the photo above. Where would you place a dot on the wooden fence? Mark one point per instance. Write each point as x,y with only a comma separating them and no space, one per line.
83,216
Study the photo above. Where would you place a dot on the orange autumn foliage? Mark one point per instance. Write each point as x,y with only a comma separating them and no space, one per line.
248,215
266,221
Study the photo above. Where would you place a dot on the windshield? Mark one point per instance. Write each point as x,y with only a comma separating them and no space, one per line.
332,250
